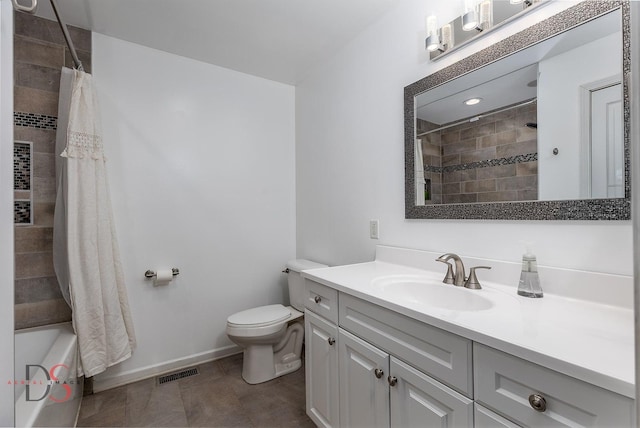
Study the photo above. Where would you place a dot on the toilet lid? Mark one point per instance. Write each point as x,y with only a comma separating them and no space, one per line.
263,315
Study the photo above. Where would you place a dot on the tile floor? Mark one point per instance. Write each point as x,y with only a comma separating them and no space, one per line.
217,397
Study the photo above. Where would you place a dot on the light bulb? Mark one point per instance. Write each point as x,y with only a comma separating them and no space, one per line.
447,36
469,21
486,14
432,25
433,41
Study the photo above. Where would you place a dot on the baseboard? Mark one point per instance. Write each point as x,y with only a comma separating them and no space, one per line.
120,379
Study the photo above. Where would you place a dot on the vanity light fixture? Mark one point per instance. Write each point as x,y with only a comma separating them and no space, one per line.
469,21
485,14
432,43
527,2
447,36
470,16
472,101
477,15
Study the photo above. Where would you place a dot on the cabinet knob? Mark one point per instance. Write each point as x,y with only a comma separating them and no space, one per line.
392,380
538,403
317,299
331,341
379,373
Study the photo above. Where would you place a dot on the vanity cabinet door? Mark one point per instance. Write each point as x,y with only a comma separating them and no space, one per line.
321,370
418,400
364,391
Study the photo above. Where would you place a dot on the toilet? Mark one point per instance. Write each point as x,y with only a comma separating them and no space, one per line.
272,335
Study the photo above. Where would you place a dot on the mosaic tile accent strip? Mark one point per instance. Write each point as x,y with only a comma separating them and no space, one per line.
579,209
530,157
33,120
22,212
21,166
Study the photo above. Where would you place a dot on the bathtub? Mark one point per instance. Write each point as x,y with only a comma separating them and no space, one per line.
54,393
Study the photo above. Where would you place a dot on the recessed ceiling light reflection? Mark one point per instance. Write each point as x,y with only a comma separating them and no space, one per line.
472,101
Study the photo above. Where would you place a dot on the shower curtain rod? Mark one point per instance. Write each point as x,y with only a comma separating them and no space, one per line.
32,9
67,37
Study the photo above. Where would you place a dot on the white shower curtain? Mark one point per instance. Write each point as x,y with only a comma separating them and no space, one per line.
86,255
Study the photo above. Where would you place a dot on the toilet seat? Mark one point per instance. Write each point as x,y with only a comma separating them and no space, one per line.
261,316
259,322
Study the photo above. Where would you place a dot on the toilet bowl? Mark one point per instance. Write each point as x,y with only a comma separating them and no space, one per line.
272,335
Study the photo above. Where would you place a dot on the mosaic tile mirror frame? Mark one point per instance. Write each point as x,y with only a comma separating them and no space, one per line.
441,177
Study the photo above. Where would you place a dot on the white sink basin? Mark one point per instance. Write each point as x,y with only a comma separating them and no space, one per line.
427,291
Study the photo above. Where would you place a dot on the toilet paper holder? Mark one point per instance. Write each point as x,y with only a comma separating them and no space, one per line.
152,273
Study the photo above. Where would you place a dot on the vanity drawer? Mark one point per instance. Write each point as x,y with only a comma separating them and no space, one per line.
440,354
506,384
322,300
485,418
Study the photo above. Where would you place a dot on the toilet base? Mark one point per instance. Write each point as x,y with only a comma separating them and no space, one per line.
264,362
258,364
286,368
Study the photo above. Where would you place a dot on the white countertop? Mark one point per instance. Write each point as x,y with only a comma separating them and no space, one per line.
587,340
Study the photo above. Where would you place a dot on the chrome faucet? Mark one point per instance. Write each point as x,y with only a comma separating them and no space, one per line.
458,278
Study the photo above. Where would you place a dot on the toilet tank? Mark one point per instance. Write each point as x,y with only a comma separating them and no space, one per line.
296,281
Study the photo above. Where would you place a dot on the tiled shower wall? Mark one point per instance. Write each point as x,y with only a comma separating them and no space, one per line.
39,54
490,160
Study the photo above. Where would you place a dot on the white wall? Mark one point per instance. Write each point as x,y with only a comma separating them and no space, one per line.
350,159
201,167
6,212
559,111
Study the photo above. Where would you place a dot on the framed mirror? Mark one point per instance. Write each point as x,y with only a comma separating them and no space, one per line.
534,127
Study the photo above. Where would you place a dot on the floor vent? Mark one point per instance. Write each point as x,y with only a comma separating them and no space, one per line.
178,375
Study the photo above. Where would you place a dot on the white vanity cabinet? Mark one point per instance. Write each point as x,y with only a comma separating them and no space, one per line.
364,388
379,390
321,354
532,395
442,355
370,366
485,418
321,370
372,386
418,400
378,387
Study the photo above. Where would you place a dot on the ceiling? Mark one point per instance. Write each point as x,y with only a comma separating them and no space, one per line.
280,40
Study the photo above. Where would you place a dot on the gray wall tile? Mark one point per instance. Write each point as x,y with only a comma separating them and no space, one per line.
34,265
29,100
498,196
37,77
33,239
38,53
33,290
479,186
44,140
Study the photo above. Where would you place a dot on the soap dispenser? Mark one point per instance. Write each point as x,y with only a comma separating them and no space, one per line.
529,285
